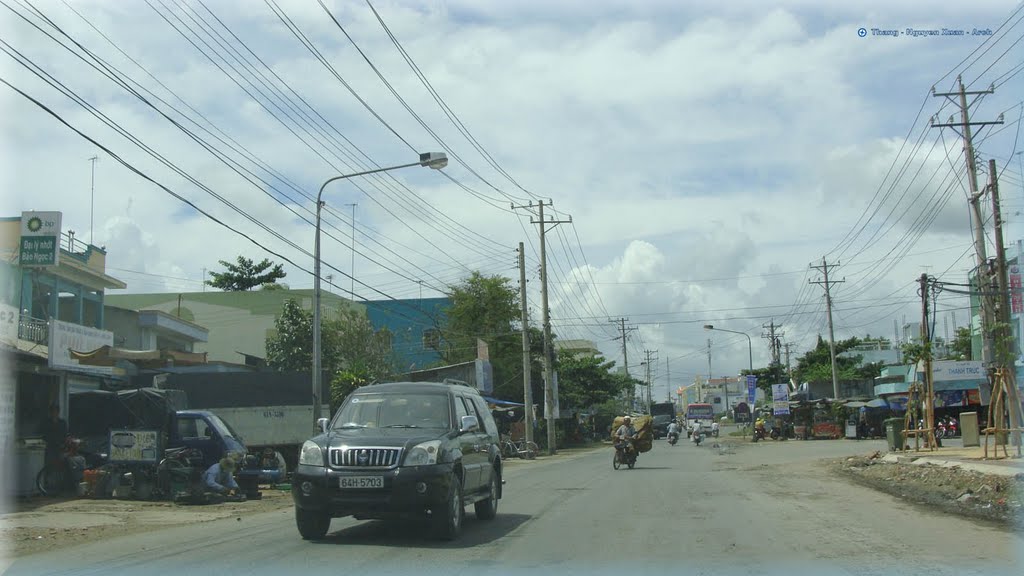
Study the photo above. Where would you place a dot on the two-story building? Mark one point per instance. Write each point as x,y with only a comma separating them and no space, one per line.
237,323
52,292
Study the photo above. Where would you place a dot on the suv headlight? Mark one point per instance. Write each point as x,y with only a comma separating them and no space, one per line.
423,454
311,454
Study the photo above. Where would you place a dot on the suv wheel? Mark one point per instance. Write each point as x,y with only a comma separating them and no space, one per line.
449,521
312,525
488,509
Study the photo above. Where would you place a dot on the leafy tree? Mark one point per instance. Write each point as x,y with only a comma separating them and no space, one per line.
775,373
960,348
246,275
484,307
487,308
816,364
584,381
351,349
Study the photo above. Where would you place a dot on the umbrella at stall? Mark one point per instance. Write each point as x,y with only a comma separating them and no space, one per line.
877,403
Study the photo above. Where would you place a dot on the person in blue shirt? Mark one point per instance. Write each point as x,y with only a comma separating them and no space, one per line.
219,479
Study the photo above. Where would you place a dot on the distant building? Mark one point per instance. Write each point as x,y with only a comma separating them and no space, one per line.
238,323
415,329
576,348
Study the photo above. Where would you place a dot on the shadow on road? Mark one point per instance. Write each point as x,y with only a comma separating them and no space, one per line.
639,467
419,534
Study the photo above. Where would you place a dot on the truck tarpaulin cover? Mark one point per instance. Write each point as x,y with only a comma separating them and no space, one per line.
96,412
231,390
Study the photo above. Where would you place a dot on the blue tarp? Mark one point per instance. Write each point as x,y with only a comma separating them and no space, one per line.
501,402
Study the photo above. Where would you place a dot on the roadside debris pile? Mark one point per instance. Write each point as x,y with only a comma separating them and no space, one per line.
953,489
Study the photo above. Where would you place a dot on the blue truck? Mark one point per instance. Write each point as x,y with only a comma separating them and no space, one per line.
110,422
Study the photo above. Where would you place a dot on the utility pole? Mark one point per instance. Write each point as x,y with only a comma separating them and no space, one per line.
549,374
92,197
831,330
527,383
352,289
668,382
625,358
929,406
789,369
647,366
1006,347
709,361
977,221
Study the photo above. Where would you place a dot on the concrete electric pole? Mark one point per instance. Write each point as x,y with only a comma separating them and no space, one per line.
550,394
625,358
527,382
831,331
963,128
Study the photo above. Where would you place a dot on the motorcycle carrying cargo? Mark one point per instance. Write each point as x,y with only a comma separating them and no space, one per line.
644,433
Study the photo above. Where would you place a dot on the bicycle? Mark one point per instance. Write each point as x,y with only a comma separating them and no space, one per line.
59,474
521,449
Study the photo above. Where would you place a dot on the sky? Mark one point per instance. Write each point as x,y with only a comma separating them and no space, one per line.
700,156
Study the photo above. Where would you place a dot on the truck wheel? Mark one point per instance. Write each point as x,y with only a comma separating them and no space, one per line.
449,521
313,525
488,509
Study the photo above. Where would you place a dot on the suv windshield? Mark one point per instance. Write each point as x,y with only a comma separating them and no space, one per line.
395,411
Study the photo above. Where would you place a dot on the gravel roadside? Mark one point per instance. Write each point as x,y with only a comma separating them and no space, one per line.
960,491
40,524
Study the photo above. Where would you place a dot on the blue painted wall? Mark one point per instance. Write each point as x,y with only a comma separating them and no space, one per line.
409,321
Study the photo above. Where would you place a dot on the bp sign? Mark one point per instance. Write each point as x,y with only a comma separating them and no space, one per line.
40,239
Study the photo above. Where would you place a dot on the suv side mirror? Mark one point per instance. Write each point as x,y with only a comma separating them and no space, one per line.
321,423
469,424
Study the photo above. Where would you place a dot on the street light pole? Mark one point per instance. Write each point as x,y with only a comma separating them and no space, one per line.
750,356
435,160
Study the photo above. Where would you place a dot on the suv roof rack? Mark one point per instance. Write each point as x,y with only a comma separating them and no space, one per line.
454,382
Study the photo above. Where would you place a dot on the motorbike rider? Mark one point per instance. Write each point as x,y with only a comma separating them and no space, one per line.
625,433
673,430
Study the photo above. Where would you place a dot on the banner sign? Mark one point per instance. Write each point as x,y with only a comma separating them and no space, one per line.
780,399
134,446
66,336
947,370
40,239
751,389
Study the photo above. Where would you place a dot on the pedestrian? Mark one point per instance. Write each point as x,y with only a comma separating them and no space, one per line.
219,482
55,434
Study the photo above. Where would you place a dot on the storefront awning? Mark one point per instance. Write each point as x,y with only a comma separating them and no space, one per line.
109,355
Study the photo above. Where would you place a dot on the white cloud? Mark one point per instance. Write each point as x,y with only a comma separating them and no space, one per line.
706,152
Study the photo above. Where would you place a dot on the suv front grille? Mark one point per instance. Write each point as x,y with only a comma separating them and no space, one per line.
365,457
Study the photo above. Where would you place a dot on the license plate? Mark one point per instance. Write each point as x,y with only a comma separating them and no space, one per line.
362,482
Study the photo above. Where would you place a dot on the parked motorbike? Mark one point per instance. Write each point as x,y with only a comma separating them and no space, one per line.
625,453
952,427
940,428
63,473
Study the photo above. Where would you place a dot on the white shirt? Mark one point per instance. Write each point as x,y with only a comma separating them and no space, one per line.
672,428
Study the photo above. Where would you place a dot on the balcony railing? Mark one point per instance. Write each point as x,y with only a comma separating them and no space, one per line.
33,330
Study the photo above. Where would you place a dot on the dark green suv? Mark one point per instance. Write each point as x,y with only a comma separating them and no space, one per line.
404,449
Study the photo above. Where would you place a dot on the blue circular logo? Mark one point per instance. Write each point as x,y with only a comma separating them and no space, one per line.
862,32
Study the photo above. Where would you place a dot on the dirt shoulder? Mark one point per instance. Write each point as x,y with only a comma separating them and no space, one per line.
955,489
40,524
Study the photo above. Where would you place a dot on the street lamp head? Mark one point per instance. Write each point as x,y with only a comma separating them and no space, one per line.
435,160
709,327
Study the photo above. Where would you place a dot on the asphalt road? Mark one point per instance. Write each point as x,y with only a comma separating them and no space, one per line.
751,509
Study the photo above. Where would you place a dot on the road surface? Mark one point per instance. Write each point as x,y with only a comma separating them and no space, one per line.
769,508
